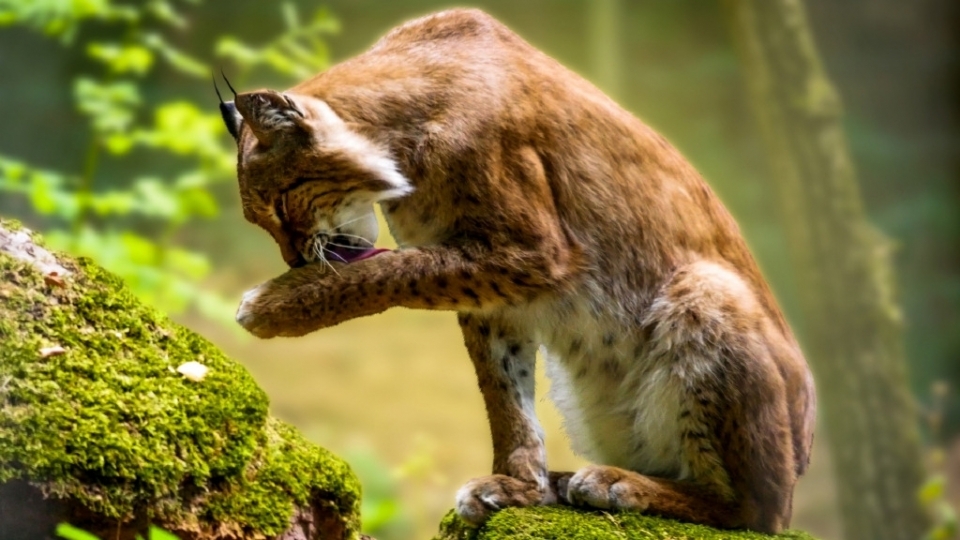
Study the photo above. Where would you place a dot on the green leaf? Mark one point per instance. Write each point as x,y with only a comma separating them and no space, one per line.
109,105
12,172
281,62
932,490
157,199
65,530
198,202
48,196
139,250
119,143
176,58
234,49
187,263
62,19
377,514
290,17
297,52
164,11
117,203
182,128
122,58
114,231
324,22
214,306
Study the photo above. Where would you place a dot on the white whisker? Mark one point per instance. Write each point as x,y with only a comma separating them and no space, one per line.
318,250
323,258
337,255
331,267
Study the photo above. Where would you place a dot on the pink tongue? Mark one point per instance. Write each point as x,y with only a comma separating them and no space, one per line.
351,255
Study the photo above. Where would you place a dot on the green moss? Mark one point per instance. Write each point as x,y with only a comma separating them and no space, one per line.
564,523
111,424
12,225
290,470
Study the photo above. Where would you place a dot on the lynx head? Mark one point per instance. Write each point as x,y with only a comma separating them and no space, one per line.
307,178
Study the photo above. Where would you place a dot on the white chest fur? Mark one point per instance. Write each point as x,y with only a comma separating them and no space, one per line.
620,406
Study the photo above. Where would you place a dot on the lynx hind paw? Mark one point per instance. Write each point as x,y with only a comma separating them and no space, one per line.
607,488
479,498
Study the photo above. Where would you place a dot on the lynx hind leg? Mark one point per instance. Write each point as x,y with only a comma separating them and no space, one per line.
504,358
713,341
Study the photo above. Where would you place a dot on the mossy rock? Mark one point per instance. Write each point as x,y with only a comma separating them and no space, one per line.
565,523
97,426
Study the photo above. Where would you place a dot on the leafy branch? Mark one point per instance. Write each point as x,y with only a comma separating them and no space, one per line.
131,225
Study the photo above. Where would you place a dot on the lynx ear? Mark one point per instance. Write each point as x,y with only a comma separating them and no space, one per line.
231,118
270,115
228,110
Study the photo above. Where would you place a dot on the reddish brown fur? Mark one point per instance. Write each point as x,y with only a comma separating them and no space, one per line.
534,196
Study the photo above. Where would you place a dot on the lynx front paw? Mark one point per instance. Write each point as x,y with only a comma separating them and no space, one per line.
250,313
608,488
479,498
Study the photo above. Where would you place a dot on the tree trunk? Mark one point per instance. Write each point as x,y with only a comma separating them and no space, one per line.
852,325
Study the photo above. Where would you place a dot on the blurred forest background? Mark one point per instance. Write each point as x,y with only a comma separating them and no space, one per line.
111,144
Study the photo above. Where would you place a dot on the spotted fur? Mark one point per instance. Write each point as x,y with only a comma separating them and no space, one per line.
547,217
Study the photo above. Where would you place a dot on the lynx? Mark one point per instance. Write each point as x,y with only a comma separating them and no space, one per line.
549,219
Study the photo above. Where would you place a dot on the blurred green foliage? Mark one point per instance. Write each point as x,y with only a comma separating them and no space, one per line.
382,511
933,497
933,494
130,225
396,500
299,52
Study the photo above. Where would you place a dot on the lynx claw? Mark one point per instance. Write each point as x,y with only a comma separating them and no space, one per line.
480,498
474,505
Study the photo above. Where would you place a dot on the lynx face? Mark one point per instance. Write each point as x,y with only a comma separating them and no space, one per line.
307,178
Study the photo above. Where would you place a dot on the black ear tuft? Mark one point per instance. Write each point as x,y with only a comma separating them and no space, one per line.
228,110
231,118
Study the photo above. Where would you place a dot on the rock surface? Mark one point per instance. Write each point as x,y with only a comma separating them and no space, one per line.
564,523
99,429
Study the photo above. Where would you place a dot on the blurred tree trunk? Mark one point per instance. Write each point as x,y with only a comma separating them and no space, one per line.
603,31
851,321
